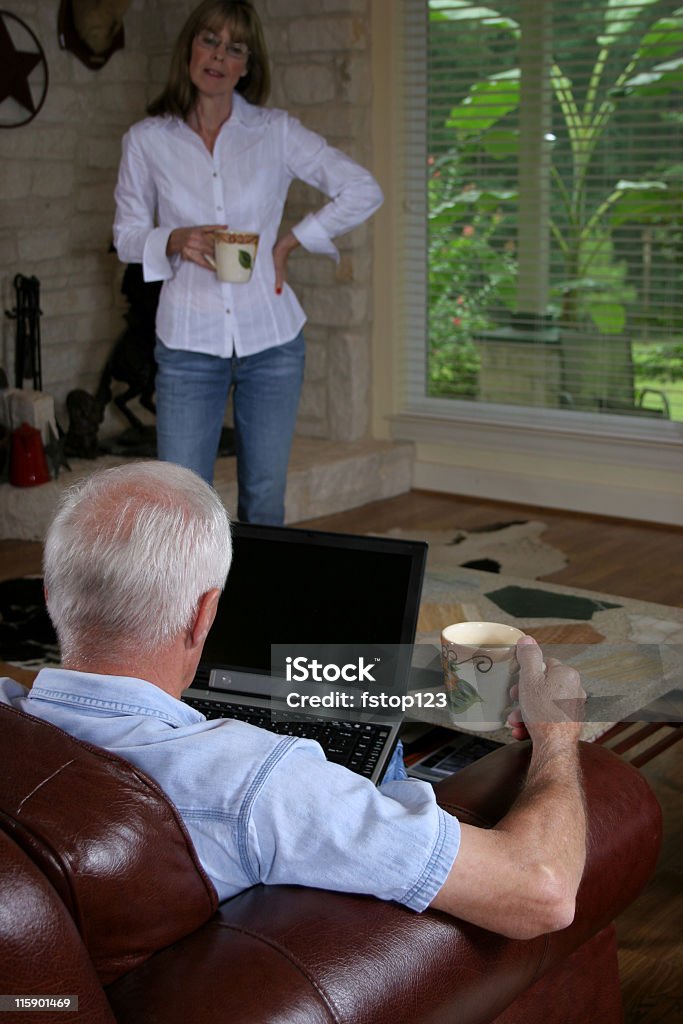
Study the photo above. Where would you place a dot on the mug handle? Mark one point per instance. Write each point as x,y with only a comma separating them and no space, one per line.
211,260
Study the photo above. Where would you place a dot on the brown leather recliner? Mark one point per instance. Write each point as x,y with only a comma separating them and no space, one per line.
102,897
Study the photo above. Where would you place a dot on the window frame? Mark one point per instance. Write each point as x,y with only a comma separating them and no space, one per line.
414,409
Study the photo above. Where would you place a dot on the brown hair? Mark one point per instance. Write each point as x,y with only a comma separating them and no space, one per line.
243,22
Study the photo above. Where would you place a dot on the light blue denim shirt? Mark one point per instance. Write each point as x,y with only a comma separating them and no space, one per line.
259,807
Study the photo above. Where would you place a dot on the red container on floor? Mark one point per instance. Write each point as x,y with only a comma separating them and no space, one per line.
28,465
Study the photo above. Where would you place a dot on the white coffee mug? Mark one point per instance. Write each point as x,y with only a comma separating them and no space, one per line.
235,256
479,667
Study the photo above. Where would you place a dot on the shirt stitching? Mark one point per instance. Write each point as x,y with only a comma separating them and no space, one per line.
209,814
61,697
256,786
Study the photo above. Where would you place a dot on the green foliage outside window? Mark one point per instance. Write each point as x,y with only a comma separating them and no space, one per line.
636,50
471,267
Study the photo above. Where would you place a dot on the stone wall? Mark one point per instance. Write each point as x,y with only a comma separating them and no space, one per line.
57,176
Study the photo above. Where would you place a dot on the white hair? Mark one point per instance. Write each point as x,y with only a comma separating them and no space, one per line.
129,554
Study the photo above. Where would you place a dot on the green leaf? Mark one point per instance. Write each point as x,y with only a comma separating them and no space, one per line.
500,143
507,293
619,18
639,201
462,697
443,221
608,317
662,78
244,257
486,104
674,172
471,196
462,10
663,39
626,185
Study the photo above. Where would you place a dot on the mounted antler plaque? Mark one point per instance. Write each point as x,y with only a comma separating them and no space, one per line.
92,29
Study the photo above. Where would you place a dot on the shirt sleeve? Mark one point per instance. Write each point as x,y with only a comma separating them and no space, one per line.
317,824
354,193
136,237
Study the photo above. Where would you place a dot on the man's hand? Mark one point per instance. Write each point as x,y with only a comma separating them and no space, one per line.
194,244
549,696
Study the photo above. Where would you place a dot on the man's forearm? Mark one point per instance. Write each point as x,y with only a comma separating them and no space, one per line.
548,821
520,878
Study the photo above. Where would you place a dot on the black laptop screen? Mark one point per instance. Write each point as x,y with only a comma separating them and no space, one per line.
313,587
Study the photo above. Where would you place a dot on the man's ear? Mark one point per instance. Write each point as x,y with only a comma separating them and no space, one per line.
206,613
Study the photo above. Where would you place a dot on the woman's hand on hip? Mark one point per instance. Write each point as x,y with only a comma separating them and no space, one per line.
194,244
281,250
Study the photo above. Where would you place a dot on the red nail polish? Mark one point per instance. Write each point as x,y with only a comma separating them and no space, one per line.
278,290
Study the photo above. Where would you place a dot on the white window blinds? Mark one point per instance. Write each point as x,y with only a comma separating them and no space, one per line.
544,265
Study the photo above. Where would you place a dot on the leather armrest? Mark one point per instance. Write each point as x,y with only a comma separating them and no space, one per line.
294,954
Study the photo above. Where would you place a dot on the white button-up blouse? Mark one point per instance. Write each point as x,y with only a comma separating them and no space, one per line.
169,179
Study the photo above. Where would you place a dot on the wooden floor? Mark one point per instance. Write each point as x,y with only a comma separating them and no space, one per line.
629,559
638,560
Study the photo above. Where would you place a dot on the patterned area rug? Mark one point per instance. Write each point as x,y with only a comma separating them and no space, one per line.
514,548
27,638
630,653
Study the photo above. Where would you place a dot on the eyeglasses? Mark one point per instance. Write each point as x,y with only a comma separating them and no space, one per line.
235,51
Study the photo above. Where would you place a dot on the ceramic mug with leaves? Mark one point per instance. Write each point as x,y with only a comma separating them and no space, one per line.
235,255
479,667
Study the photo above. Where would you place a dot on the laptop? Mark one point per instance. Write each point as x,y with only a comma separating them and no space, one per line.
320,597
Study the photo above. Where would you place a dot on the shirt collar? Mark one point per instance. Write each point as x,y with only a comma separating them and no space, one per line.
241,110
243,113
123,694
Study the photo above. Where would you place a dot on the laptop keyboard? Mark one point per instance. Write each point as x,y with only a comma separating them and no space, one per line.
356,745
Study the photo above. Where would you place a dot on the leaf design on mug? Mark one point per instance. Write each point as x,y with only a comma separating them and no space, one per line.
461,696
244,257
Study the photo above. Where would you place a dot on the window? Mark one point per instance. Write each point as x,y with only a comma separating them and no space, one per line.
544,262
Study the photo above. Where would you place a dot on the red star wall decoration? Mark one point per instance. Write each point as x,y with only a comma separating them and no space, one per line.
23,72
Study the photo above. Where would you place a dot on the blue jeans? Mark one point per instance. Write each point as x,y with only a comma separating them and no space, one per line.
396,768
192,390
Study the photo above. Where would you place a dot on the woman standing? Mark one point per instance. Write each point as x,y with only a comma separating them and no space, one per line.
211,156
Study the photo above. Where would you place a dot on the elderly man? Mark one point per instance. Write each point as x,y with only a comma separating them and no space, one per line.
135,561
